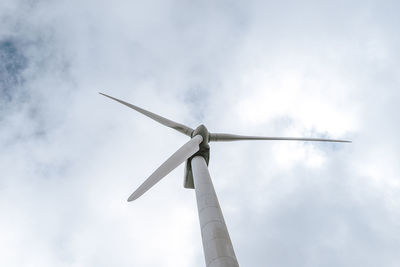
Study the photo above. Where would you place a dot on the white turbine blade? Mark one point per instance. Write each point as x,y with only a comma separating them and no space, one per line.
174,125
223,137
182,154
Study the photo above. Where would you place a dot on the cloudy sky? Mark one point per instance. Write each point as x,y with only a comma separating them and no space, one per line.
70,157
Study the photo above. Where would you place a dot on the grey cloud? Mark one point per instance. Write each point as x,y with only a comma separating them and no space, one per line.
13,62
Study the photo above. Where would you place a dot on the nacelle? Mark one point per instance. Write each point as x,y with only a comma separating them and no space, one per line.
204,152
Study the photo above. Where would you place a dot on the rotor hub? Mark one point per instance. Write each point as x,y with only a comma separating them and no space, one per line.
202,130
204,150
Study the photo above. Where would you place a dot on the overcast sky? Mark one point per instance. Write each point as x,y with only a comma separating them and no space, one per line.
69,158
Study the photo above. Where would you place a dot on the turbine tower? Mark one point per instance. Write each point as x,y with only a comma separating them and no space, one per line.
217,245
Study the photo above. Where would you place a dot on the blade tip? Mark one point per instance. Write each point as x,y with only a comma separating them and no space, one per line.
132,197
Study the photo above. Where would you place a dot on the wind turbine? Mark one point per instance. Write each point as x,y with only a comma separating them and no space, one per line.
217,245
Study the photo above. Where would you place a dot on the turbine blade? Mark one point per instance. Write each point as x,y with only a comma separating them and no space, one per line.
174,125
223,137
182,154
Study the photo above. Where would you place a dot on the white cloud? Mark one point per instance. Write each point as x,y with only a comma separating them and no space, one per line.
70,158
